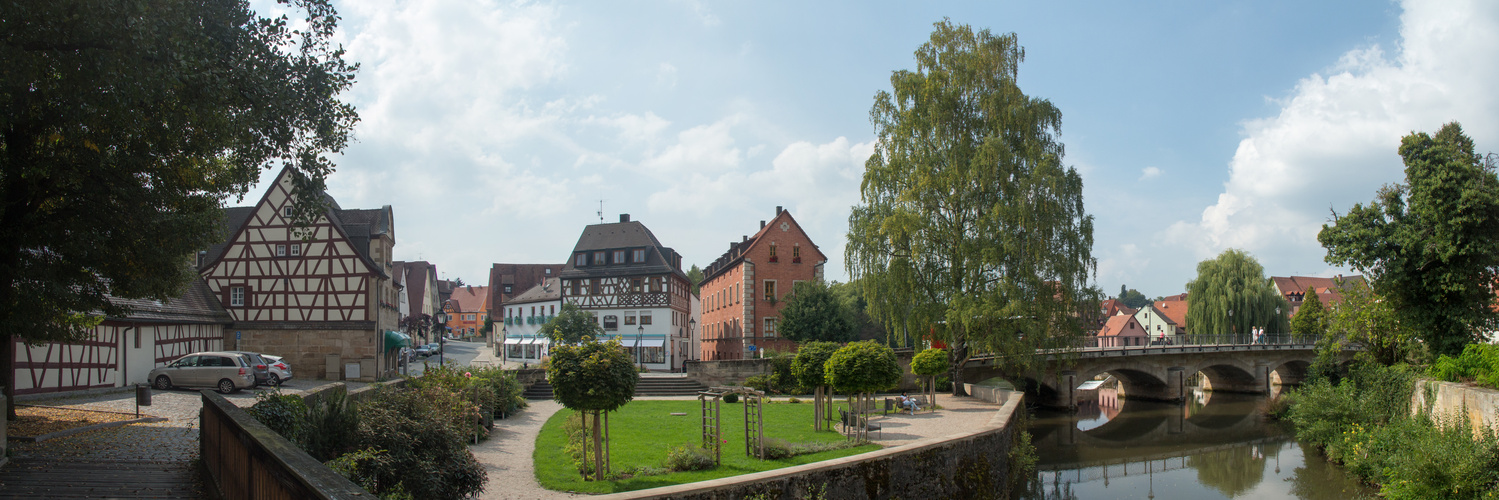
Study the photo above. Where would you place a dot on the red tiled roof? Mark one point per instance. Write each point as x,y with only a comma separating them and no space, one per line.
1122,326
1174,310
470,298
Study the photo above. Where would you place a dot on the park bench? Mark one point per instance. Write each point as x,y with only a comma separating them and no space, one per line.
851,421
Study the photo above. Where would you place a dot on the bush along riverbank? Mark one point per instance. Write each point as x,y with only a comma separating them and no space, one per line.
1364,422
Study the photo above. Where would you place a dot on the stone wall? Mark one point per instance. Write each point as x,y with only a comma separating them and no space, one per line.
307,350
968,465
529,376
734,371
1480,406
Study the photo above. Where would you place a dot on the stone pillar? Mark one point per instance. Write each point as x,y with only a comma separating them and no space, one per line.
1067,389
1261,378
1176,384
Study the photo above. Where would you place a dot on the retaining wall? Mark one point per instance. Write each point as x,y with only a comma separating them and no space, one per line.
974,464
1478,405
734,371
247,460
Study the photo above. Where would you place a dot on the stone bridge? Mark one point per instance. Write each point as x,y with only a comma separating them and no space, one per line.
1157,372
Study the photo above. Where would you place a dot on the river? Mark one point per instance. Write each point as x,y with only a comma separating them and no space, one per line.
1214,446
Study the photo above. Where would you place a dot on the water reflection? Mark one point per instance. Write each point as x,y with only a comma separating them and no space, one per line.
1214,446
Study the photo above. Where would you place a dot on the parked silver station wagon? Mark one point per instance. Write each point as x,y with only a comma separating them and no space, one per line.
226,371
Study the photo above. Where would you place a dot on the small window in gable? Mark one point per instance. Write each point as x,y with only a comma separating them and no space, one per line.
639,256
296,249
236,296
286,211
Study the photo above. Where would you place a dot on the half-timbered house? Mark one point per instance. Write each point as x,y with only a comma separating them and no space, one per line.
321,296
744,290
635,287
122,351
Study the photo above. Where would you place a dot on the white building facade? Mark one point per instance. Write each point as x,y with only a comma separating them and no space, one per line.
523,317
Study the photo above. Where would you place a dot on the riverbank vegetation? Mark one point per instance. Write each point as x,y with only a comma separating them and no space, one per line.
1364,422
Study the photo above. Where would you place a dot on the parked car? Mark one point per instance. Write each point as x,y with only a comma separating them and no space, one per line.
422,350
434,348
226,371
280,369
261,366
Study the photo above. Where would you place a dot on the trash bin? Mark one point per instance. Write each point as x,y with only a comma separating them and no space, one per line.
142,395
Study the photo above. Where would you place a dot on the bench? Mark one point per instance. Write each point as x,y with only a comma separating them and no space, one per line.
921,404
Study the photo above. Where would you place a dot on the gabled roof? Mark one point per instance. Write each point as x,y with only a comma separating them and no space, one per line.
521,277
1122,325
197,304
1294,287
1173,310
471,298
624,235
417,274
1158,313
737,250
549,290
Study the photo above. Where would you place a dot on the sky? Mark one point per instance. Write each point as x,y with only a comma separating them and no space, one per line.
496,129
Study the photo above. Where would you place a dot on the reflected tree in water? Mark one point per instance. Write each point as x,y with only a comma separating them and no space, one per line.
1232,471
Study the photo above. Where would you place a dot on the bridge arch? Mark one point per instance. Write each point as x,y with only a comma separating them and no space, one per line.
1226,374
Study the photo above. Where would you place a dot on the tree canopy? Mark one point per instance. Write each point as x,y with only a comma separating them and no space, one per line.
862,367
571,326
969,226
929,362
592,376
1133,299
1428,246
1310,319
1368,320
810,359
695,276
1232,295
814,313
125,126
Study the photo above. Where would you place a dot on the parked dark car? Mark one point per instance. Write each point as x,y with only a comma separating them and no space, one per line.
261,365
422,351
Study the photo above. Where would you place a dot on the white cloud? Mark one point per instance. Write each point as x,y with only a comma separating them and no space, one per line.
666,76
1334,140
1150,173
702,149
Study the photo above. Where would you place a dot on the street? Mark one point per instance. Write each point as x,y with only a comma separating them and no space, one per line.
458,352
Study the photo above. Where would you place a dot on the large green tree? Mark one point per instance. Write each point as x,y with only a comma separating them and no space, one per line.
1231,295
125,125
1310,318
695,276
1430,246
969,225
814,313
1133,299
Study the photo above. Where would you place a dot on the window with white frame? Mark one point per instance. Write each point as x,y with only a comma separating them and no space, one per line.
770,327
236,296
280,250
286,211
296,249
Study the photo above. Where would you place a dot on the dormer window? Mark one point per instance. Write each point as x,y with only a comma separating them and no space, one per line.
639,255
598,259
619,256
580,260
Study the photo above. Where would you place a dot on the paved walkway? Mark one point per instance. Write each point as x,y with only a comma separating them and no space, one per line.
512,476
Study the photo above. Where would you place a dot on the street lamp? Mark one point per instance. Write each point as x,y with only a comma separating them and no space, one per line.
442,322
639,333
691,334
1233,328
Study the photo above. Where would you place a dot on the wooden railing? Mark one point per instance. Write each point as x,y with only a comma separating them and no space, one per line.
247,460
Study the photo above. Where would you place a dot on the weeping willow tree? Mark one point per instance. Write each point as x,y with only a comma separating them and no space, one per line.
1231,295
970,230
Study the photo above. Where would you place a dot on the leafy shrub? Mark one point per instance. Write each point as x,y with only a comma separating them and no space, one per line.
1478,363
424,432
862,367
794,400
359,466
731,399
284,413
758,382
688,457
332,426
776,449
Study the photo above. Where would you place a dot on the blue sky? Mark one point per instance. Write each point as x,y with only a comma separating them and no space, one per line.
495,128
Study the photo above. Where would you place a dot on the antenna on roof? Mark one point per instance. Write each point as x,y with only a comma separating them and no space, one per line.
601,211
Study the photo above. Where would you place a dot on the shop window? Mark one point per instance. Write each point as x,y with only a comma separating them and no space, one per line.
611,322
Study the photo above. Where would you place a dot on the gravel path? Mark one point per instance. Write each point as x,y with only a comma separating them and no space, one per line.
506,455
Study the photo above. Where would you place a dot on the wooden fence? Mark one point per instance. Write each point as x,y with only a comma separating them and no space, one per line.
247,460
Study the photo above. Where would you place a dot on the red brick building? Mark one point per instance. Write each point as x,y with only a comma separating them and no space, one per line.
744,290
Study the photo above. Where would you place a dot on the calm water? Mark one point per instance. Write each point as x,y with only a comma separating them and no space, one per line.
1215,446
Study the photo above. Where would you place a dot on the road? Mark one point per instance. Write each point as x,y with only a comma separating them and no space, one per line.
458,352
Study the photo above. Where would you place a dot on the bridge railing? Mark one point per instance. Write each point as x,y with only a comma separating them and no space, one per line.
1244,339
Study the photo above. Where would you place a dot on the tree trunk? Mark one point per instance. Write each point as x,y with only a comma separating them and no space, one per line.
817,409
957,357
598,450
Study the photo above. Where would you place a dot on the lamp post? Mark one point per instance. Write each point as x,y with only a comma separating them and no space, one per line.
639,334
1234,329
442,322
691,334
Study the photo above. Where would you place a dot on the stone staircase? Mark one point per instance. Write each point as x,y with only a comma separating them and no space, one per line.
647,386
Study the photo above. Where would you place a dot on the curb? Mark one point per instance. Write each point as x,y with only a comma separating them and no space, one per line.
86,428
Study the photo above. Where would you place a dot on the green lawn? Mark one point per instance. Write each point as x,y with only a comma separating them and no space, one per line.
643,431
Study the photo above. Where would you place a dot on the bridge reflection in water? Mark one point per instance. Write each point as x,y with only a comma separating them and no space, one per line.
1214,446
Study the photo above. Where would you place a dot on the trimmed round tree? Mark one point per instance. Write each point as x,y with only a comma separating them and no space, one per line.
593,378
928,364
807,367
861,368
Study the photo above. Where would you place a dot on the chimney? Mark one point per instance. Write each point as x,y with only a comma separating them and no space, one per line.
778,210
624,217
746,238
762,224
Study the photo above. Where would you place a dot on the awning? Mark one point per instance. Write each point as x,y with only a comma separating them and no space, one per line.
396,340
653,343
513,340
